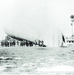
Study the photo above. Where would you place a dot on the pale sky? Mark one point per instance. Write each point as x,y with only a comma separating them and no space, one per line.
59,13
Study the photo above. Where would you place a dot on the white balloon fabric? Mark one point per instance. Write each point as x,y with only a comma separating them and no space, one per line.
29,19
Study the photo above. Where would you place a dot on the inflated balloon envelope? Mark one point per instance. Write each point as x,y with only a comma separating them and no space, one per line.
31,21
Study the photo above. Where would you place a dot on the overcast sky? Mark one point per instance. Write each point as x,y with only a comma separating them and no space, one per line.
56,12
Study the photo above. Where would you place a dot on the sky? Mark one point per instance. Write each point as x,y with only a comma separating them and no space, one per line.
56,13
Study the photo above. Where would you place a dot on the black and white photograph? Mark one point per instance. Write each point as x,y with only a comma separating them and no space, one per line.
36,37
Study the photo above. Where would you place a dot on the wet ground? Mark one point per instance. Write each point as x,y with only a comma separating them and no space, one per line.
37,60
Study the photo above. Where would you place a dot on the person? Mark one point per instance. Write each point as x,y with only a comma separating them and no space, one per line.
31,43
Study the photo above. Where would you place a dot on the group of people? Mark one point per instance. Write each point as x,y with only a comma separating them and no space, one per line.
15,43
27,43
6,43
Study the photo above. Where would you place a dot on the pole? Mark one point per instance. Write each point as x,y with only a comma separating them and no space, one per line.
72,17
72,30
72,27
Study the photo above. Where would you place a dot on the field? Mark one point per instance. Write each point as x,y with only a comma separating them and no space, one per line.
37,60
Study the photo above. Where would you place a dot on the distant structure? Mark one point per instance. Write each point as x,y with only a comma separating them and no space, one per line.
72,20
70,40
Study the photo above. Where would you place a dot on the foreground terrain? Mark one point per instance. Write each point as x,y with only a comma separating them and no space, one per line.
37,60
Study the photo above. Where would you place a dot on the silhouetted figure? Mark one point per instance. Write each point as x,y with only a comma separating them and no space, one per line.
42,43
17,43
39,42
35,42
26,43
2,43
10,43
22,43
31,44
6,44
13,43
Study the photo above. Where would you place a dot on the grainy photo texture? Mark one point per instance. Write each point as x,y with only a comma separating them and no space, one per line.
36,37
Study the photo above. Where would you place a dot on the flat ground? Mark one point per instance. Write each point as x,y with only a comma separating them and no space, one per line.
37,60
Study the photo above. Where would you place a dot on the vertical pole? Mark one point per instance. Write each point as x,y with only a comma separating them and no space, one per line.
72,30
72,17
